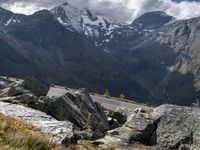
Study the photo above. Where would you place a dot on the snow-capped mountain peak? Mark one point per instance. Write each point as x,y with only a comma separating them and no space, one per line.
84,21
8,17
105,31
68,15
152,20
91,14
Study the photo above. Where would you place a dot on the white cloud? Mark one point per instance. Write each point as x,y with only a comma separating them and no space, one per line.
182,10
120,10
21,7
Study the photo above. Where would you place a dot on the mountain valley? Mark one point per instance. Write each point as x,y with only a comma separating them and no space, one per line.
154,59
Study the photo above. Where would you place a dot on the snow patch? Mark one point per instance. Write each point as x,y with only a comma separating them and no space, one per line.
107,51
146,30
61,21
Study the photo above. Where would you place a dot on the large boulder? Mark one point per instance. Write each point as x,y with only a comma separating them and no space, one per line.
140,127
80,110
168,127
36,86
177,127
63,108
17,90
4,83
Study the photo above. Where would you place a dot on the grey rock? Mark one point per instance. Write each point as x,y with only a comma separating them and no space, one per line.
141,110
1,86
168,127
139,128
22,99
16,91
114,123
88,134
177,127
120,117
26,98
9,100
80,110
184,147
92,110
145,127
63,108
36,86
85,134
40,103
4,83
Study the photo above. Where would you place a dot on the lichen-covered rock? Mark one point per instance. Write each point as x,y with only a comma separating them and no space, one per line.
168,127
177,126
139,128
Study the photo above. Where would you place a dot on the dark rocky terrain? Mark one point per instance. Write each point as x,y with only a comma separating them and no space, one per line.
74,117
154,60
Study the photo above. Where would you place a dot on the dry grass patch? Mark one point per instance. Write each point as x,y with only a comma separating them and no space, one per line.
19,134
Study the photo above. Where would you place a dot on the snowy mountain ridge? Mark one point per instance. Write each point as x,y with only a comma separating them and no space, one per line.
104,31
84,21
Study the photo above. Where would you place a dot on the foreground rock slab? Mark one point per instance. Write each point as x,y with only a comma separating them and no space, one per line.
61,131
80,110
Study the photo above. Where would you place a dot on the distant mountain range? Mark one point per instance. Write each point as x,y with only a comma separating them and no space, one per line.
155,59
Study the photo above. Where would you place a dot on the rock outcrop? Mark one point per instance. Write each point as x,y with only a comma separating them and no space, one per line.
119,116
36,86
168,127
140,127
177,126
80,110
75,116
87,116
16,91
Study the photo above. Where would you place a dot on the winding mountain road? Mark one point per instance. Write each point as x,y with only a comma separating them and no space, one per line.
108,103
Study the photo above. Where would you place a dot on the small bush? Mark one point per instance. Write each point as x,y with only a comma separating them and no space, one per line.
122,97
107,93
196,103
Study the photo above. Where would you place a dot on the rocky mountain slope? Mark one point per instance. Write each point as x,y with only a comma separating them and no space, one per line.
153,60
71,118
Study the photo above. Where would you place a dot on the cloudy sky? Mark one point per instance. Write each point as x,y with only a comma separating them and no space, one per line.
120,10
